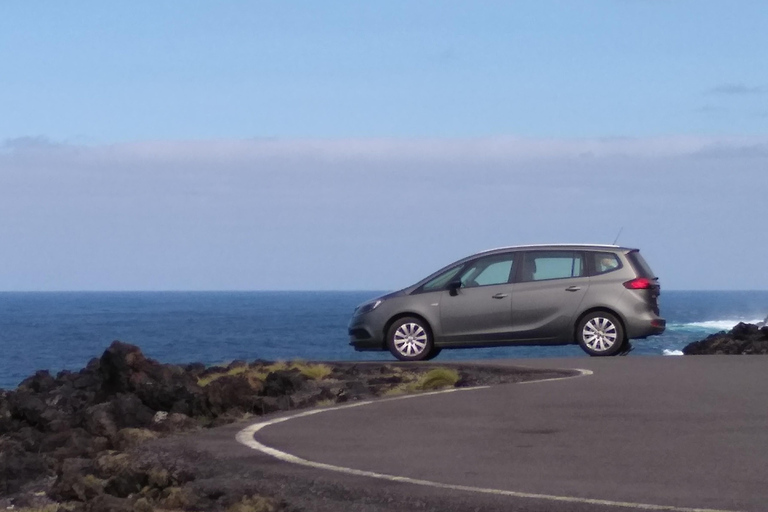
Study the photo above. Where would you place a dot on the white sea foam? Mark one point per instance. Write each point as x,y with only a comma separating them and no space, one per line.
668,352
715,325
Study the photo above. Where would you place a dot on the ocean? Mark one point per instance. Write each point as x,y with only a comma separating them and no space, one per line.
64,330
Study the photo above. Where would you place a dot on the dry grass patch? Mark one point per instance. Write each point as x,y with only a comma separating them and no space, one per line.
437,379
314,371
261,372
254,504
400,389
204,381
53,507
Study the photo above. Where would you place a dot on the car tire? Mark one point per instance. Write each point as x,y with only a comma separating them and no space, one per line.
433,353
600,334
410,339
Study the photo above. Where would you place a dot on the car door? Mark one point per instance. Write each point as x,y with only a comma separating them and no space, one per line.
480,309
550,286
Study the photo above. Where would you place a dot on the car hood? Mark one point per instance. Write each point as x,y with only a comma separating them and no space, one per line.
391,295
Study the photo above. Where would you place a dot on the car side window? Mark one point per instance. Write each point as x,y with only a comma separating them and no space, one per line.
441,281
605,262
488,271
545,265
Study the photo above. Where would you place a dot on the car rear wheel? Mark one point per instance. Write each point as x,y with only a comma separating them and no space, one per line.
600,334
409,339
433,353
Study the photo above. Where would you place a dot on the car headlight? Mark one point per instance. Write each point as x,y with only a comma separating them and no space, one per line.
368,307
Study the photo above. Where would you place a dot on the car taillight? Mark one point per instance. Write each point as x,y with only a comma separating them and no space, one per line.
641,283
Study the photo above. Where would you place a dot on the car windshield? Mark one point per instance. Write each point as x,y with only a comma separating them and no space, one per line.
442,280
491,270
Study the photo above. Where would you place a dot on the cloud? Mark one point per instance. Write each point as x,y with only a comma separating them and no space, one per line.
295,153
27,143
738,89
720,150
710,110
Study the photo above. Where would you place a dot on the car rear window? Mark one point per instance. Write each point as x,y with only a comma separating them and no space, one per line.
604,262
640,265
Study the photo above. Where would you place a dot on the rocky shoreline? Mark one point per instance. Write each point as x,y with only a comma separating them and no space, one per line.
743,339
77,441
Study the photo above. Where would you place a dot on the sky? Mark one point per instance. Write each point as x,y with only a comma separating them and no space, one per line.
189,145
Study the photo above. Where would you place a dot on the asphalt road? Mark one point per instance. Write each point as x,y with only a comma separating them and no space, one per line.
679,433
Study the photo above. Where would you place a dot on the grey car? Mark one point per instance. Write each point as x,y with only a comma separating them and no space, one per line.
598,296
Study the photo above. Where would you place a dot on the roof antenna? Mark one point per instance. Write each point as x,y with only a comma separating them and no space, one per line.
617,236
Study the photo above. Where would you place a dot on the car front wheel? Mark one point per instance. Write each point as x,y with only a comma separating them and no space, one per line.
600,334
409,339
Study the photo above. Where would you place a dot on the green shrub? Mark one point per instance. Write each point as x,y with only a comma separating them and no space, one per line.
47,508
254,504
313,371
204,381
310,370
437,379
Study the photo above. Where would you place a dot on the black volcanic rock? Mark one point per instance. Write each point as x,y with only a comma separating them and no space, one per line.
161,387
283,382
47,421
18,465
40,382
73,482
743,339
232,391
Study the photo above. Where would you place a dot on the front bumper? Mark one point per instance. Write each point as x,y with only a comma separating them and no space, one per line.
362,336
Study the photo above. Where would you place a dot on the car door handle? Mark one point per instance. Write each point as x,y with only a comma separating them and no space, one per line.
500,295
573,288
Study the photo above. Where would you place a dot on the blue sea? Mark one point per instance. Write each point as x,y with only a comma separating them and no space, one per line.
65,330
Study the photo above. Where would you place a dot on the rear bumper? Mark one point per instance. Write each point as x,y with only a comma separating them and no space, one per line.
646,327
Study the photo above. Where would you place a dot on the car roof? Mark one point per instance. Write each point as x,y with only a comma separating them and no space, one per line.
558,246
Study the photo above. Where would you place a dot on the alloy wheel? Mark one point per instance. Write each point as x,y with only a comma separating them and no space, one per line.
410,339
600,334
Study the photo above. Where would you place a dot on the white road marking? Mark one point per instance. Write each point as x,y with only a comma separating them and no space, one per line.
582,373
247,437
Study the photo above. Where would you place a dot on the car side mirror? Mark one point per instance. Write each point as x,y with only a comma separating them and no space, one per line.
453,287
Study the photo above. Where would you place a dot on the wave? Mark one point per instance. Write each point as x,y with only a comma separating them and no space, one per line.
668,352
714,325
